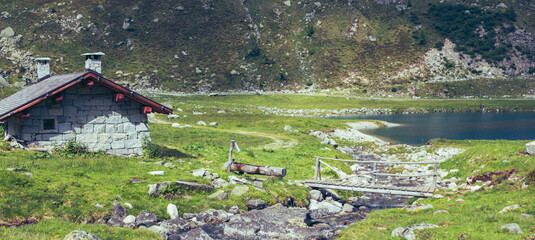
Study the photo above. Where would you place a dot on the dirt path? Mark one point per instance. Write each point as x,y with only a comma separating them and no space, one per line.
278,140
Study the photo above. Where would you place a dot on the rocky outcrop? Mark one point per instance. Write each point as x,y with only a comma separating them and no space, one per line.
80,235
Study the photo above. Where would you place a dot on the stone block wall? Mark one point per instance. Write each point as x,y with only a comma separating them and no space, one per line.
89,116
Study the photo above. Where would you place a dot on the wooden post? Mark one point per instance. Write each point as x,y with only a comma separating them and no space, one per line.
232,142
374,178
316,168
435,176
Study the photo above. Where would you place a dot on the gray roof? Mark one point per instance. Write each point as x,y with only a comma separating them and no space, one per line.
35,91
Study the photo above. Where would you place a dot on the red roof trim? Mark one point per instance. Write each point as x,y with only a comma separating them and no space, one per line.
156,107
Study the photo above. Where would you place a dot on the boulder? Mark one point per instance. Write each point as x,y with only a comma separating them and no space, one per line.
509,208
202,123
157,188
239,190
287,128
348,208
438,196
156,173
146,219
512,227
212,216
193,186
80,235
408,232
199,172
332,208
219,183
234,210
419,207
172,210
197,234
241,230
255,204
318,213
177,226
460,200
475,188
177,125
213,124
115,222
530,148
316,195
441,211
119,211
129,219
172,116
7,32
219,194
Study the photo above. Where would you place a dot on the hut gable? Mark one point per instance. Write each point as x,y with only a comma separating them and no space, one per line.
85,107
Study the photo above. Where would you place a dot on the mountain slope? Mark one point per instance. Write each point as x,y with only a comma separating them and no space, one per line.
205,45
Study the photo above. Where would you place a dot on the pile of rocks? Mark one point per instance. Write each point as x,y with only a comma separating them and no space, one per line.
325,139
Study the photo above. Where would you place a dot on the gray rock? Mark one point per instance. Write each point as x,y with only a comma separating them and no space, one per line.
530,148
80,235
115,222
441,211
239,190
513,228
213,124
348,208
146,219
157,229
438,196
318,213
508,208
119,211
129,219
460,200
202,123
212,216
526,215
156,173
177,226
172,116
156,189
172,210
287,128
234,210
316,195
255,204
419,207
219,194
102,220
241,230
408,232
176,125
28,174
169,165
7,32
197,234
199,172
276,214
193,186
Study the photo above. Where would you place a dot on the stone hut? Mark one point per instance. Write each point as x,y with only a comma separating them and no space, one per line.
85,107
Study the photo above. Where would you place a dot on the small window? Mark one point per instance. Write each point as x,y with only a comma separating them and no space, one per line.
49,124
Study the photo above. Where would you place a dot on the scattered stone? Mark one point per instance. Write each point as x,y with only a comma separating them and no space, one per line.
156,173
363,208
507,209
460,200
330,206
287,128
441,211
526,215
119,211
219,183
239,190
419,207
172,116
98,205
452,185
102,220
318,213
169,165
438,196
408,232
530,148
80,235
219,194
348,208
7,32
258,184
213,124
193,186
146,219
475,188
28,174
176,125
115,222
212,216
187,126
197,233
255,204
288,3
129,219
316,195
234,210
199,172
513,228
202,123
156,189
172,210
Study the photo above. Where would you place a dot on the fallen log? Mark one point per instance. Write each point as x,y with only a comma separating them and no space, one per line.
255,169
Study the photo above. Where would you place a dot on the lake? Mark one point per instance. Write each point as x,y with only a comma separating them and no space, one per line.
417,129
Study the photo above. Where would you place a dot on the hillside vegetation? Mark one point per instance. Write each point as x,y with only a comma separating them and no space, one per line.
206,45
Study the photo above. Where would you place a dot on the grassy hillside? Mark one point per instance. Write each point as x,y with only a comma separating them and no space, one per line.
207,45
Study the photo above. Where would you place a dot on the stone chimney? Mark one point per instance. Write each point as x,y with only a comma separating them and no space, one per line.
93,62
43,67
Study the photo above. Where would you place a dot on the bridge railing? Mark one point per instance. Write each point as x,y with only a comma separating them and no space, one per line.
375,172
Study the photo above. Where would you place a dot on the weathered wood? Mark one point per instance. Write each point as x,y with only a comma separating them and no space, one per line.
371,188
255,169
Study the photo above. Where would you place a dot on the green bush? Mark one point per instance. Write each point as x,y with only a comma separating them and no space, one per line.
70,149
150,149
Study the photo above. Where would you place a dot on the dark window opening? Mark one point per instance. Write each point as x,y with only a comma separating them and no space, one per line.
49,124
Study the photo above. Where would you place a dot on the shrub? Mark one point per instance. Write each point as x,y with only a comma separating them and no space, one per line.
150,149
394,89
309,30
70,148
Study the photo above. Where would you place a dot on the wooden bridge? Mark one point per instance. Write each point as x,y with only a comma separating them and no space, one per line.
373,187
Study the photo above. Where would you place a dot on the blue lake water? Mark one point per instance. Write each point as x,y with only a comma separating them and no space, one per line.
417,129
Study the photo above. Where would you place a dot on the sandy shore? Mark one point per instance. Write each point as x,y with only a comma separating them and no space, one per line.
353,134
